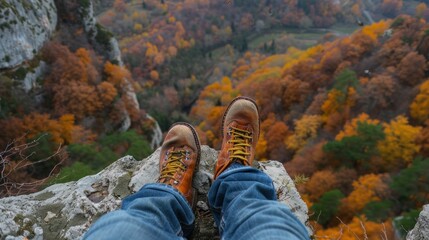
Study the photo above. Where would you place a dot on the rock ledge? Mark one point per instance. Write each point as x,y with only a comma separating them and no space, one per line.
65,211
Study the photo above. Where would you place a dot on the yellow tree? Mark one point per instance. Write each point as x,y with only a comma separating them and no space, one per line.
350,129
366,189
420,9
399,145
305,130
419,109
262,150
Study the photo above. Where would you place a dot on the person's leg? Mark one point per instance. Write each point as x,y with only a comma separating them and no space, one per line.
243,199
157,211
244,204
161,210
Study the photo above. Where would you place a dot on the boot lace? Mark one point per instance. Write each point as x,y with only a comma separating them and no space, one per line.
173,164
241,142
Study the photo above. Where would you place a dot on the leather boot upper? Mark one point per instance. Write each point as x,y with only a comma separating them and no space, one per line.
179,158
240,133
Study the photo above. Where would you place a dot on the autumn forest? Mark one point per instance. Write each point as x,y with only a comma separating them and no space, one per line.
342,88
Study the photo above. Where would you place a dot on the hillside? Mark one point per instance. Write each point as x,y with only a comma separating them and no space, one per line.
69,106
349,117
343,90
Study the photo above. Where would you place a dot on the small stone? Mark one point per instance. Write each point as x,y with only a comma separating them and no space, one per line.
38,231
26,233
49,216
202,205
26,221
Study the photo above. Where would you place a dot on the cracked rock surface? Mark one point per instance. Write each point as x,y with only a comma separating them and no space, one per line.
65,211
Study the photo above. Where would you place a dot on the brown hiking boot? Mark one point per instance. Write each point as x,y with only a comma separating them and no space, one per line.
240,133
179,159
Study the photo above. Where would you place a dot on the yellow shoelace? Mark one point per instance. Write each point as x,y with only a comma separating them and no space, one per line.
174,162
240,142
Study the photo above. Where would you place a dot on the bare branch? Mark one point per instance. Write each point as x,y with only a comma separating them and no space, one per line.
15,158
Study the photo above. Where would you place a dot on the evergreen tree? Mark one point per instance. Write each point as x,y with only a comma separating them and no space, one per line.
355,150
327,206
411,185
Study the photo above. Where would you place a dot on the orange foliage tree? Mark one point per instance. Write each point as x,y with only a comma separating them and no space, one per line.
358,228
419,109
275,137
61,131
378,92
307,161
321,182
366,189
411,69
210,107
423,139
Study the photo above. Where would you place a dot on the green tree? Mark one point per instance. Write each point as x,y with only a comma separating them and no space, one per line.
91,158
45,158
74,172
92,155
411,185
327,206
355,150
127,143
378,211
346,79
406,222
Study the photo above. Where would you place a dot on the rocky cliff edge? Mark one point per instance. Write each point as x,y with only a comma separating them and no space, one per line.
421,229
65,211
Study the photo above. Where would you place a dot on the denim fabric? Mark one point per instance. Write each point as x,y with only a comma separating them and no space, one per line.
157,211
242,200
244,204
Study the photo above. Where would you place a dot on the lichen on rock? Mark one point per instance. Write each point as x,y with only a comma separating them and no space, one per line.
65,211
24,27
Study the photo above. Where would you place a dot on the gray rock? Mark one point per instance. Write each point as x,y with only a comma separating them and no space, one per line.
31,77
65,211
421,230
24,27
202,205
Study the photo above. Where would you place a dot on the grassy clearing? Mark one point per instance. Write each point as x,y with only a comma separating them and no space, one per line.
266,38
344,29
306,38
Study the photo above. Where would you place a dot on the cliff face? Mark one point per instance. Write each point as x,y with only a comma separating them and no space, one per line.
65,211
24,28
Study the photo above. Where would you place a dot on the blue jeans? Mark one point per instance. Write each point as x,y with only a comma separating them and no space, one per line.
242,199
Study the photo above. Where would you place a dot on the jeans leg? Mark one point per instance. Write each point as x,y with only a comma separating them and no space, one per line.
244,204
157,211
